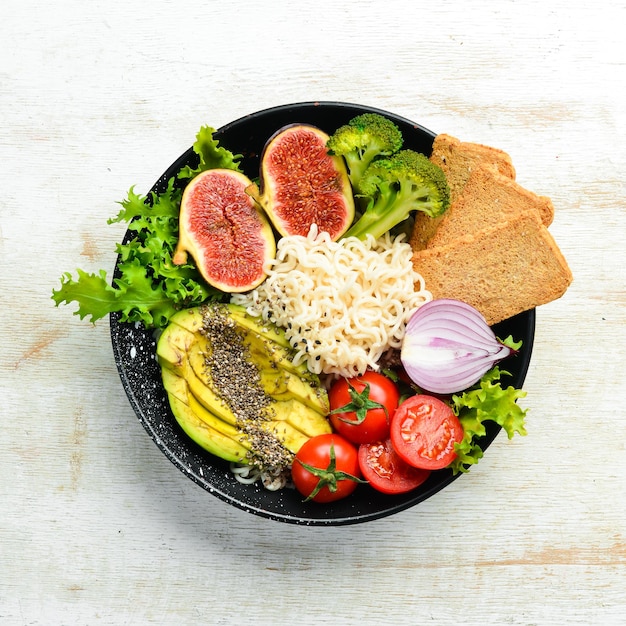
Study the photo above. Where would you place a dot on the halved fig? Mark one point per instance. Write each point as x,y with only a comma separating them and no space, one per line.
228,236
301,184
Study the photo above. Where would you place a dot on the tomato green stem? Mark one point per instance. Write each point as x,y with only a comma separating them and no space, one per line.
359,404
328,477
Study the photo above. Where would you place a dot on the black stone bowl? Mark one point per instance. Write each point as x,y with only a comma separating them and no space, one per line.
134,351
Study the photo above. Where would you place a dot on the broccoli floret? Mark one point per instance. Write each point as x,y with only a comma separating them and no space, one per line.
363,139
394,187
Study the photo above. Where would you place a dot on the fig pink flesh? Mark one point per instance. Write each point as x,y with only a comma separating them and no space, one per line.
305,183
227,231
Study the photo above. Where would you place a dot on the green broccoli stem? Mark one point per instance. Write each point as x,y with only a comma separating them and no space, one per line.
368,224
377,220
358,162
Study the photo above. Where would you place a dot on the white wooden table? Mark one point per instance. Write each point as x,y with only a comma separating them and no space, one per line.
96,526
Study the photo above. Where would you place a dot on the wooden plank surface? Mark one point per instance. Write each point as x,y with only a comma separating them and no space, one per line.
97,527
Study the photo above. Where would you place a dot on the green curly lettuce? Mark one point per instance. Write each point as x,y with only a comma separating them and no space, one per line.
488,401
210,155
148,287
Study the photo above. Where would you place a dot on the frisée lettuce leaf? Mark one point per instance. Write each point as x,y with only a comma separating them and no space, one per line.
487,401
147,286
210,155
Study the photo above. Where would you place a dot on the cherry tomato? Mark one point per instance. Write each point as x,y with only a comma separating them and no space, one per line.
385,471
326,468
423,432
361,407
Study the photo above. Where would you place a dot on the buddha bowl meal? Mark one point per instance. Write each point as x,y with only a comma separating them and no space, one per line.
319,295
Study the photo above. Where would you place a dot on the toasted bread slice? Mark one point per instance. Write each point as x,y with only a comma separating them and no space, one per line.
424,229
503,270
459,158
487,199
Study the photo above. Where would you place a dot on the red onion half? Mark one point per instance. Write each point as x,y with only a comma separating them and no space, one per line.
448,346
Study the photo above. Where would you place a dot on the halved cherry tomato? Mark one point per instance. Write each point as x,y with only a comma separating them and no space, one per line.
361,407
423,432
326,468
385,471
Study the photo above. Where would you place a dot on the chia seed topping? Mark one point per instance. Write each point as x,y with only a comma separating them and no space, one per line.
237,381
